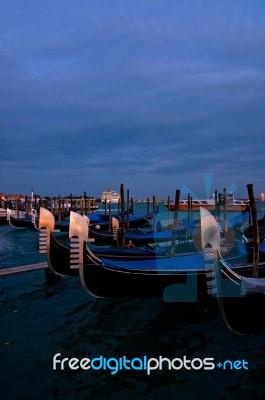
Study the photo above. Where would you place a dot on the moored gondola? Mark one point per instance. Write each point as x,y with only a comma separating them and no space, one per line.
23,221
240,296
62,257
58,254
177,278
185,229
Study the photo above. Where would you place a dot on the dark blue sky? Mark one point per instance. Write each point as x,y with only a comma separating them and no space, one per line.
157,95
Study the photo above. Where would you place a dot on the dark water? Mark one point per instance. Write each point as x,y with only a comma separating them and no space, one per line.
39,320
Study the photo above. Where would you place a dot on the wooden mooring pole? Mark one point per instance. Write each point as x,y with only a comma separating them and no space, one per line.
154,214
253,211
127,209
175,223
225,211
168,209
122,216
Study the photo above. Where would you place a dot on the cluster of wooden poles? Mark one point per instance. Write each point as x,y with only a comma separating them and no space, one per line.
61,205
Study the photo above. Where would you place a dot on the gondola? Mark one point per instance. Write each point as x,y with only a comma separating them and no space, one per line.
178,278
102,223
185,229
249,244
58,255
102,277
62,256
138,236
3,219
181,278
241,298
22,221
248,231
32,221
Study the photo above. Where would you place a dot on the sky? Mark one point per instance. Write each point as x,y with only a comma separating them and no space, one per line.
157,95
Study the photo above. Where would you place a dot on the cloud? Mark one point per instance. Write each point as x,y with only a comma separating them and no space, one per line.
138,91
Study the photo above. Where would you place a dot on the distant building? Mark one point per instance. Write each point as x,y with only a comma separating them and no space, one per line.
18,196
262,196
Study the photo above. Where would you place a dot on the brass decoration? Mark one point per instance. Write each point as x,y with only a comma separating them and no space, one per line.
46,227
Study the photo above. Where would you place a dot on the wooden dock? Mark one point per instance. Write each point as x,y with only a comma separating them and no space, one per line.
23,268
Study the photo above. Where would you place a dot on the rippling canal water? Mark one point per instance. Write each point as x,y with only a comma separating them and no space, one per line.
39,320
